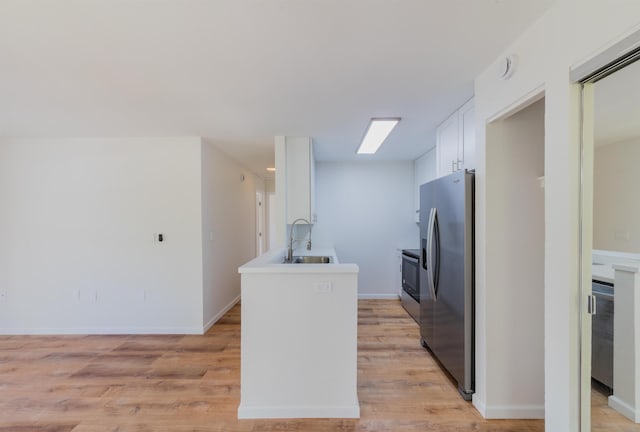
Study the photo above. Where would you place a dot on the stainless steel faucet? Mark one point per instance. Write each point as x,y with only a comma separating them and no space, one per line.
290,251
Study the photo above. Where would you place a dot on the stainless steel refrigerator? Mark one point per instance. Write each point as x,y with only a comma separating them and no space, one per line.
447,275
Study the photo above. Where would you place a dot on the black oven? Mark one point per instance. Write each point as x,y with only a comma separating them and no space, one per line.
411,273
410,295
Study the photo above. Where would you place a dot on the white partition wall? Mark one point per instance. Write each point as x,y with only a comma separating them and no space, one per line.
570,33
80,226
80,222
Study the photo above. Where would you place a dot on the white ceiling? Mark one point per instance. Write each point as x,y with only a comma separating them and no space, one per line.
239,72
617,106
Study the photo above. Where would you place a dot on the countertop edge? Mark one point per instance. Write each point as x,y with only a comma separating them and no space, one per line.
606,263
301,269
626,268
271,262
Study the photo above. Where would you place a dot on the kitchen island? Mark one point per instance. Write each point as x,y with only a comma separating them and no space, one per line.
299,338
622,270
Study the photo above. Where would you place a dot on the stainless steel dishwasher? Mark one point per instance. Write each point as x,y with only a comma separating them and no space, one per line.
602,334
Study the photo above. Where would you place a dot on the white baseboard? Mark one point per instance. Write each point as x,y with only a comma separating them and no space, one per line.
120,330
376,296
351,411
479,405
220,314
101,331
514,412
508,411
624,408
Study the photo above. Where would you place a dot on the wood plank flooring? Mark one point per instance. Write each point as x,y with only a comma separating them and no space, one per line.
192,383
605,419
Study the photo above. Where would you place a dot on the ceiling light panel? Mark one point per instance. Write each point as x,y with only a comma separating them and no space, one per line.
378,130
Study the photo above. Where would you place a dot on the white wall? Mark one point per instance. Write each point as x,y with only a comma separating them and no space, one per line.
77,226
571,32
229,229
616,209
512,383
270,185
365,210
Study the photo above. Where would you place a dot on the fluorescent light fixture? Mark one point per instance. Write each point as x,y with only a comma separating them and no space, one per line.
272,169
378,130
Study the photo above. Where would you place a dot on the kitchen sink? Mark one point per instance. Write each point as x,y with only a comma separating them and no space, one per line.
309,259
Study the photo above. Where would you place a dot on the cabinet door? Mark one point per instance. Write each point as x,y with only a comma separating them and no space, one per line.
467,144
447,145
312,184
300,179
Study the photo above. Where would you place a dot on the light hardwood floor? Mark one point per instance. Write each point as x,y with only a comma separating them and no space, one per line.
192,383
605,419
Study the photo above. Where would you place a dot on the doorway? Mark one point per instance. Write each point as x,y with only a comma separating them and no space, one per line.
259,223
271,200
515,262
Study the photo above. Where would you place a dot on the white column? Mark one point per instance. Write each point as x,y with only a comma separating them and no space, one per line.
626,343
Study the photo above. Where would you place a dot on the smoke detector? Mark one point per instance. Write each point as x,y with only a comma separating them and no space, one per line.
507,66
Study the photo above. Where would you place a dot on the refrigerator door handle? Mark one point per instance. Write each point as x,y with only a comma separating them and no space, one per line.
430,228
436,273
423,259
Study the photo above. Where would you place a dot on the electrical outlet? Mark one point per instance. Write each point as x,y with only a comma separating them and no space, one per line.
622,235
322,287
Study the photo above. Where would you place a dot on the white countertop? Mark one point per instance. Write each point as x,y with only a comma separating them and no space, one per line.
606,262
602,272
273,262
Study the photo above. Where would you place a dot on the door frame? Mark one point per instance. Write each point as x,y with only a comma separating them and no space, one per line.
610,60
259,223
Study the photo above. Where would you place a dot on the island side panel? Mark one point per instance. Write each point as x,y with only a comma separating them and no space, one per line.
299,345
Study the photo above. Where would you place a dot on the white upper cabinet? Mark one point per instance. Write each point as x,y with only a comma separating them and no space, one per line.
467,145
300,179
456,142
447,145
